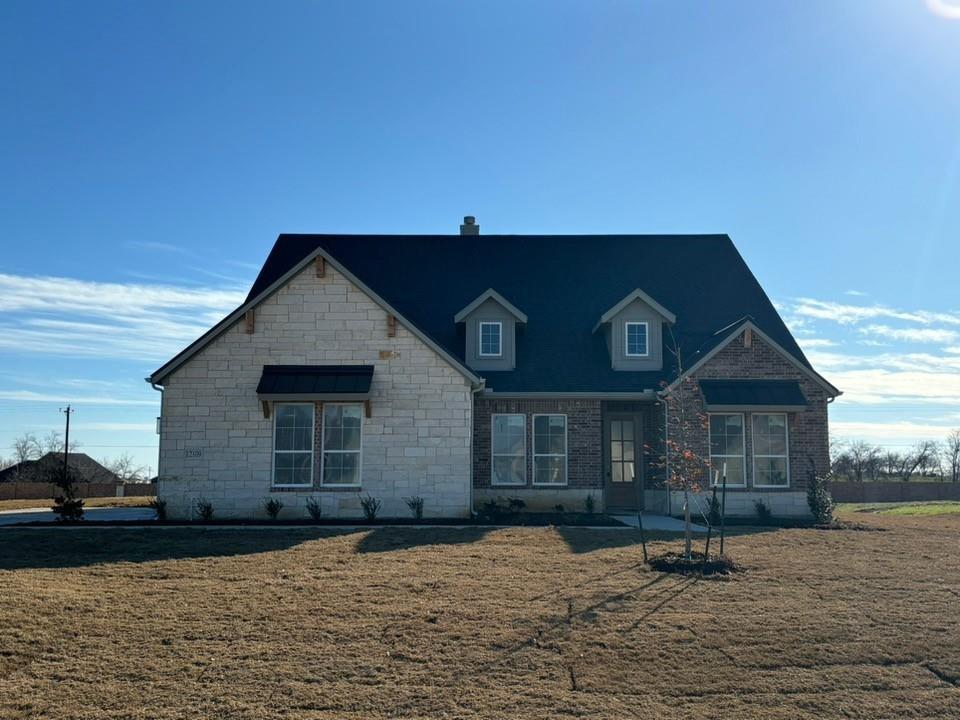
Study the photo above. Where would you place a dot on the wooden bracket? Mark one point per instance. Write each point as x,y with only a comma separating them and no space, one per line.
748,337
391,325
367,408
321,266
250,321
266,408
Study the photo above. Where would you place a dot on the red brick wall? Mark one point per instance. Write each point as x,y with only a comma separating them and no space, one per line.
808,431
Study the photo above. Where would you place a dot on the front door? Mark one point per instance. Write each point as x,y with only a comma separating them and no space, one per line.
622,459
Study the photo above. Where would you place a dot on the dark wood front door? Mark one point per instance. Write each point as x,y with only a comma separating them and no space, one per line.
622,459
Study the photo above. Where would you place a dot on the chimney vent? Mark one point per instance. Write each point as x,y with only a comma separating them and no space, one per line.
469,226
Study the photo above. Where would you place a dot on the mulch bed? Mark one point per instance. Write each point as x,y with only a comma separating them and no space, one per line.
673,562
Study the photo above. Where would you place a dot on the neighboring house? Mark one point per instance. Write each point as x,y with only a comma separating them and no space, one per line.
42,470
468,367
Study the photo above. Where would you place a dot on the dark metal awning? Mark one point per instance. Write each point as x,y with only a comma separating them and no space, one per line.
315,382
761,395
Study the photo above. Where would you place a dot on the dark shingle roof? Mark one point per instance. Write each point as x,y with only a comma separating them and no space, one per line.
752,392
315,380
564,284
39,470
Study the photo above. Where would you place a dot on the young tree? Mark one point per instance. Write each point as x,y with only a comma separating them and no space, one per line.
125,468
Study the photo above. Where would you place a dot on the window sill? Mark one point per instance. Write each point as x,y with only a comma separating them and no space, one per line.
550,485
292,487
771,487
332,486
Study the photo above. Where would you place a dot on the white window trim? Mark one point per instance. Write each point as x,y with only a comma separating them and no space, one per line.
566,449
493,455
785,456
480,352
274,451
626,339
359,452
742,455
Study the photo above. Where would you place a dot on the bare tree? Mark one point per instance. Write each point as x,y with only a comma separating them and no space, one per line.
916,459
26,447
6,462
863,459
125,468
53,443
952,455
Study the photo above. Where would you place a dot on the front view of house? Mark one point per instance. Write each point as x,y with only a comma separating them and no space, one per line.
470,367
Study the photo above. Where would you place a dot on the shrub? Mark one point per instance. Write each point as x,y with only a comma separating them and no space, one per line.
273,506
559,508
160,508
205,509
588,504
371,506
764,516
820,500
713,515
415,504
66,505
515,504
314,508
490,510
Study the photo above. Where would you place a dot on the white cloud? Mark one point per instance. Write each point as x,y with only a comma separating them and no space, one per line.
816,342
948,9
118,426
79,318
901,431
30,396
855,293
846,314
917,335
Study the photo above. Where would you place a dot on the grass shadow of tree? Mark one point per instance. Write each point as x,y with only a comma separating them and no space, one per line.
389,539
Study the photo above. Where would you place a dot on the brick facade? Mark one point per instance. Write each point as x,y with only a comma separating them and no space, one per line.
216,444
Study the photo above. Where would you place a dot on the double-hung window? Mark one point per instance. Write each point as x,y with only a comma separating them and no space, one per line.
491,339
771,466
509,445
635,336
549,449
293,445
342,429
727,448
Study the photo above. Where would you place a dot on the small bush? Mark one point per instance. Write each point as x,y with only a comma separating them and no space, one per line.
764,516
273,506
559,508
713,516
371,506
160,508
588,504
67,506
515,504
820,500
314,508
415,504
205,509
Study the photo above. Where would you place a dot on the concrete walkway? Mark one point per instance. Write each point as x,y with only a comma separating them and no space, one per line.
657,522
15,517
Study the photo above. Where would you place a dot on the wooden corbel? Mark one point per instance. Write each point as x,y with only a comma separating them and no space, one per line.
266,409
249,317
391,325
321,266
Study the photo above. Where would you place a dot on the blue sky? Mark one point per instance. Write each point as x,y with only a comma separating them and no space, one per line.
151,152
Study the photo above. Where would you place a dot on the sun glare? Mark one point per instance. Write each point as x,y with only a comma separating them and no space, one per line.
945,8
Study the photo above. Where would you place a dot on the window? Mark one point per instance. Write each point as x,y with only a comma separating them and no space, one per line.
726,448
636,339
770,465
341,444
549,449
509,457
491,339
293,445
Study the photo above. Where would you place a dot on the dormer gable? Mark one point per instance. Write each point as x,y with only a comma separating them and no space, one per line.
490,331
633,329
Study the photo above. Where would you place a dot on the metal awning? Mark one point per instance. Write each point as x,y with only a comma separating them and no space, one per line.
758,395
315,382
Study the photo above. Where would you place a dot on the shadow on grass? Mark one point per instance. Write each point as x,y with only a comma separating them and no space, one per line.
23,549
581,540
388,539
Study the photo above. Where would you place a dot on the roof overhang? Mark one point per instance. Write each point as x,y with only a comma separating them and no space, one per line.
490,294
753,395
735,331
237,315
635,295
315,382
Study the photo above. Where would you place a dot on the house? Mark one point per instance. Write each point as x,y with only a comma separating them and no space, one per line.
469,367
43,469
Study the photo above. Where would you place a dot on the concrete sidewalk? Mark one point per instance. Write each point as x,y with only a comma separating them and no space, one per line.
657,522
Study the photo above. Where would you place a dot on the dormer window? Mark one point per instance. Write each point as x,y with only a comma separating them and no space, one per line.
491,339
635,336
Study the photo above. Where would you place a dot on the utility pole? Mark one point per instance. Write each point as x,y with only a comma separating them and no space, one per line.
66,437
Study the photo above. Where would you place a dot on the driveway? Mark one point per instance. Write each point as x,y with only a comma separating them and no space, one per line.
15,517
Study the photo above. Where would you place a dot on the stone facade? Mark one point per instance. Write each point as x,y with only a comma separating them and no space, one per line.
216,443
807,431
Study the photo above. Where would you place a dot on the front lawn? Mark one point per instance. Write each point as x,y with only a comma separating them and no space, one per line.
903,509
87,502
506,623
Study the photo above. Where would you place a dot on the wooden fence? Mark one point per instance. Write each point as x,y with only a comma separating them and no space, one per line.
45,491
879,492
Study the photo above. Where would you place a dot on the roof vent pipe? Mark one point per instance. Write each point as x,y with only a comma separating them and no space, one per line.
469,226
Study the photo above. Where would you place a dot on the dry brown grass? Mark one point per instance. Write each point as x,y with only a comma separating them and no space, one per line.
87,502
517,623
